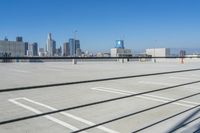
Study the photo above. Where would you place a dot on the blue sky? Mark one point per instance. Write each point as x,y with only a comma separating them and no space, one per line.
141,23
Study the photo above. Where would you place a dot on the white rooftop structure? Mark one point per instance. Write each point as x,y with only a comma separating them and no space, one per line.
12,48
158,52
120,52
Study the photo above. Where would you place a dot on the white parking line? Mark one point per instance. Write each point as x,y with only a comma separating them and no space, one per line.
167,84
59,67
153,83
69,115
46,116
53,69
195,75
19,71
184,78
147,96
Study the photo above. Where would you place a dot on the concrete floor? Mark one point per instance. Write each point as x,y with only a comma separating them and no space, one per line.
29,102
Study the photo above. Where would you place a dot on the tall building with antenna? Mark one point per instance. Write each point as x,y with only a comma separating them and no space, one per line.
51,46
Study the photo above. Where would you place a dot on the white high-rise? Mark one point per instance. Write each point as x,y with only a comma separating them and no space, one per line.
51,46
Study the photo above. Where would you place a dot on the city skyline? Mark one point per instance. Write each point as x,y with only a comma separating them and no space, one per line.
76,44
142,24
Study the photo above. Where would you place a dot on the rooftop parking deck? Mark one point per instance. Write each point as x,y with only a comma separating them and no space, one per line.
176,85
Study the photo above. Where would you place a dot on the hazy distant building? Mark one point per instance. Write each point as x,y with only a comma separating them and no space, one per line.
19,39
12,48
59,51
5,39
74,46
87,54
78,52
182,53
30,50
51,46
41,52
102,54
158,52
193,55
119,50
66,50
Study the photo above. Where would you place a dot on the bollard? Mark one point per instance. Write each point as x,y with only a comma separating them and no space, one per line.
121,60
182,61
74,61
154,60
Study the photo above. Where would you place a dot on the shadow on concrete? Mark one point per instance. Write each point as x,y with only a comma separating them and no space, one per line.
187,120
197,127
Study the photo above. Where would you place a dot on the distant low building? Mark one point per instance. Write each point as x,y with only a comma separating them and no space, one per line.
103,54
12,48
87,54
193,55
120,52
158,52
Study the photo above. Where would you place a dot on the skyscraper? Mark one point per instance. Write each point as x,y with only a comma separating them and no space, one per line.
26,48
51,46
54,48
77,43
73,46
78,49
66,51
35,49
